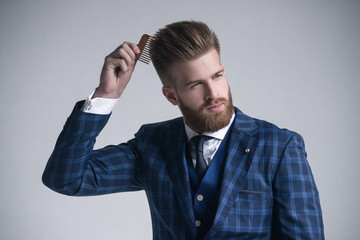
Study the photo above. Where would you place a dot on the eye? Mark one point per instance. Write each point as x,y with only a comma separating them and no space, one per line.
195,84
218,75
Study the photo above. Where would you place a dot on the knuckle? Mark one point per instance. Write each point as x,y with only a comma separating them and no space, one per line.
121,51
107,59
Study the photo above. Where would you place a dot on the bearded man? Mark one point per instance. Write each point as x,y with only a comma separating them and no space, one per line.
214,173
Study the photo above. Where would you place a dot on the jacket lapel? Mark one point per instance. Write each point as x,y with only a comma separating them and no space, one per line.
239,157
174,152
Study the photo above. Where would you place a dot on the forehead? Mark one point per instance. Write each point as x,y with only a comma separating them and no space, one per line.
200,68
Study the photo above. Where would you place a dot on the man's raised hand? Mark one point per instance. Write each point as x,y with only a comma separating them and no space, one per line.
117,70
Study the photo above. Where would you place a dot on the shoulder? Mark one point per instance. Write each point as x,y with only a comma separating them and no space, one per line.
159,128
262,129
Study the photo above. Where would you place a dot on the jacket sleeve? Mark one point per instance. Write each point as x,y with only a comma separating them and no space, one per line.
74,168
297,211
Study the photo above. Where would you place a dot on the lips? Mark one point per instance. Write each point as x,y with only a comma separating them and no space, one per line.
215,107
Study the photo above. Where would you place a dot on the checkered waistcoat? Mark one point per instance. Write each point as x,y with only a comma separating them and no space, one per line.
206,193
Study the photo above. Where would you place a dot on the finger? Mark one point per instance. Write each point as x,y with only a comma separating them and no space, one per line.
131,48
114,63
134,47
128,54
126,51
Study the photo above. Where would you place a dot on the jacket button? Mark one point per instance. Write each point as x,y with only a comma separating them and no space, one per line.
200,197
197,223
247,150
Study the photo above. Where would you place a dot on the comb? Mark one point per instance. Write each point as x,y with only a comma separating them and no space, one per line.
144,55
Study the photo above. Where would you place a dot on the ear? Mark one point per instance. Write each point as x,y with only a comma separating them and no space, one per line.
170,94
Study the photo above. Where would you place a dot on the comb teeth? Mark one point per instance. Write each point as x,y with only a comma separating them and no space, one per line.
144,43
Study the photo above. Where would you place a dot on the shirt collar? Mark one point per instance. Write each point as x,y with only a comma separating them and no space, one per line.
219,134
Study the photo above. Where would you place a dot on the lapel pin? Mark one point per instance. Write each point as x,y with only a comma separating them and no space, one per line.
247,150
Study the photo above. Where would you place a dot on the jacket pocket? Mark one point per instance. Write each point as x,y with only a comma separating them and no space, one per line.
251,213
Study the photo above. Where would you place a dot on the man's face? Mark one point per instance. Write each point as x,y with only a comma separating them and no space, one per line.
201,92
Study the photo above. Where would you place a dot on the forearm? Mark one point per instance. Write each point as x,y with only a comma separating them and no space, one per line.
69,160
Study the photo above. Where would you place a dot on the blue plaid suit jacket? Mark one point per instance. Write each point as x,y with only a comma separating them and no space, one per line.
267,192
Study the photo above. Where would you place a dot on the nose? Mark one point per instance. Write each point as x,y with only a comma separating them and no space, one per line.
211,92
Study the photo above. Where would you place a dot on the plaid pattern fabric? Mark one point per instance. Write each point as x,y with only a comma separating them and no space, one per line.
267,192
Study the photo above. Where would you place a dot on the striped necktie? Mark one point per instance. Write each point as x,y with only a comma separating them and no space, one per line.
201,166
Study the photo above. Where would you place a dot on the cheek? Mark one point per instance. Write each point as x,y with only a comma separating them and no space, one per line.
192,101
224,89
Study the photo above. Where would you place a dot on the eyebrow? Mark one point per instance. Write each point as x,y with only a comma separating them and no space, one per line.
199,80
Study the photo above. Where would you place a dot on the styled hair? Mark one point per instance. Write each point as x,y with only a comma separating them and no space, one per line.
178,42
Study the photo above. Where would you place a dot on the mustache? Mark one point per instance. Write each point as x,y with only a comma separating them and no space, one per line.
213,102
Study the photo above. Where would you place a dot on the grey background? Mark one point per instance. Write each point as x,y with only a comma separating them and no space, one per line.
294,63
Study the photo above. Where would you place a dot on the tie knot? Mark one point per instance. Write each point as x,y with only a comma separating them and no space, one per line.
198,141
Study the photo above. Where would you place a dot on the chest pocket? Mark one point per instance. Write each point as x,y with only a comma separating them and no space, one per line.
251,210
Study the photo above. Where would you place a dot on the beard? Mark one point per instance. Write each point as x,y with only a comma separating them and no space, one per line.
202,121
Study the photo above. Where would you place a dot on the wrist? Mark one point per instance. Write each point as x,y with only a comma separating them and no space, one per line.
99,93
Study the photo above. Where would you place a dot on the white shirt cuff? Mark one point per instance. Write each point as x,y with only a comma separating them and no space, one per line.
99,105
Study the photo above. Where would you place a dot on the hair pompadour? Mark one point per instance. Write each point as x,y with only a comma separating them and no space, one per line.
178,42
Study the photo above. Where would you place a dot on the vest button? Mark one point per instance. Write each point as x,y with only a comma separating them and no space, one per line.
200,197
197,223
